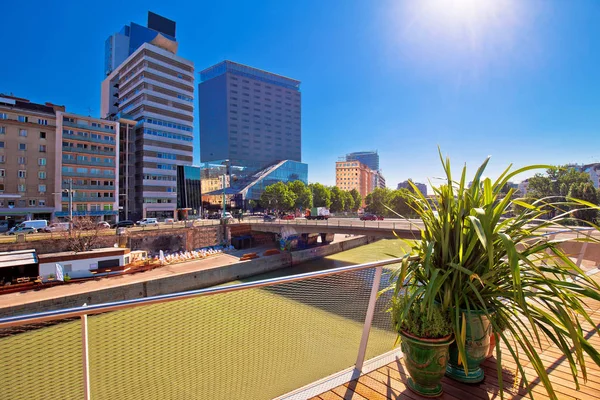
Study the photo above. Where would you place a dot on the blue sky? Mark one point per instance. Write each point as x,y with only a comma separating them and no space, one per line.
518,80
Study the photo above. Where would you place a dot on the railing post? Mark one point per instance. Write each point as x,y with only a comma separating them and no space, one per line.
362,349
85,357
581,254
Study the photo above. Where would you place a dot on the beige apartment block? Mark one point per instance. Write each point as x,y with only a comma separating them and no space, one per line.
29,150
354,175
89,165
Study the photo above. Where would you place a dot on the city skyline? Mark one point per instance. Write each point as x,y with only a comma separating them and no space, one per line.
395,77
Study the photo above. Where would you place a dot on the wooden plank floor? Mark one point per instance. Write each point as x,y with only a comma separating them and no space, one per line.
388,382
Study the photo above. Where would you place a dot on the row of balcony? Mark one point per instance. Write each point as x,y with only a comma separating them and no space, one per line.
87,175
89,139
88,151
89,187
88,162
77,198
88,127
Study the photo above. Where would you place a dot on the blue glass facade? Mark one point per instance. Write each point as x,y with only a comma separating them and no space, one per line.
248,72
286,172
369,158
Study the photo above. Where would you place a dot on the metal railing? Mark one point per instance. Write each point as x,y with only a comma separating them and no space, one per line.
367,285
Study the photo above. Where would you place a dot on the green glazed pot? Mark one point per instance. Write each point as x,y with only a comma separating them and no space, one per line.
477,347
426,361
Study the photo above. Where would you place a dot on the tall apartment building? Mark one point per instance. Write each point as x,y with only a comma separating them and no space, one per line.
248,116
122,44
29,160
154,87
406,185
89,165
354,175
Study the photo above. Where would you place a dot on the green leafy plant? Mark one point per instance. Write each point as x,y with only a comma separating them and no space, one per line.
415,320
475,255
67,278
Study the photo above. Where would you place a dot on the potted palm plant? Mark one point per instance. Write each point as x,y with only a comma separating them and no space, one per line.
425,338
484,257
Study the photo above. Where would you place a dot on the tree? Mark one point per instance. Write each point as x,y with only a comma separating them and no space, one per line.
337,199
377,201
586,192
399,202
357,199
85,235
304,197
555,182
321,195
348,202
252,204
278,197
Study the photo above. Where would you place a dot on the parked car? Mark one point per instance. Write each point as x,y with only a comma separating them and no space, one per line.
169,221
288,217
370,217
269,218
147,222
124,224
103,225
21,229
214,216
56,227
227,216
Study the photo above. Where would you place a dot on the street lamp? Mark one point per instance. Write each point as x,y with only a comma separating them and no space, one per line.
70,192
225,162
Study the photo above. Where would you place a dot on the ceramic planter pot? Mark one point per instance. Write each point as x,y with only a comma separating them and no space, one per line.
426,361
477,347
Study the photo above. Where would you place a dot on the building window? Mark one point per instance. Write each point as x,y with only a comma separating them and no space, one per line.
2,130
81,207
2,159
22,160
41,161
42,135
3,116
22,173
42,174
1,145
22,118
2,173
42,188
42,122
31,203
21,203
21,188
42,148
22,146
108,207
42,203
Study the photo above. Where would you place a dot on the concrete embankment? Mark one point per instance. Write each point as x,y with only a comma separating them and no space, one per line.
195,275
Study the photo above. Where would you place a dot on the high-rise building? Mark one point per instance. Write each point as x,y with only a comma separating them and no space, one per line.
379,180
369,158
29,160
154,87
127,180
248,116
406,185
250,120
119,46
89,166
354,175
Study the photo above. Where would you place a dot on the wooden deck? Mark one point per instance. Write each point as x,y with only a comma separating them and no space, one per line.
388,382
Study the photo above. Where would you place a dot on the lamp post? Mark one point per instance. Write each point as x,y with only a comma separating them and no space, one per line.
225,173
70,193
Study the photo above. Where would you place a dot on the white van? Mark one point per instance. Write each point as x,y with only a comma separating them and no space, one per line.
147,222
32,226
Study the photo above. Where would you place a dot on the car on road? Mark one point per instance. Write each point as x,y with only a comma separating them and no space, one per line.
147,222
169,221
56,227
269,218
371,217
288,217
124,224
21,229
227,216
103,225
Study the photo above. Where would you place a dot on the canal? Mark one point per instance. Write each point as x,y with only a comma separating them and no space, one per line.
251,344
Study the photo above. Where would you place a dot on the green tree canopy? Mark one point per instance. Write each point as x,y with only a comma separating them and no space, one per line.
337,199
586,192
348,202
556,181
357,199
377,201
278,197
304,197
321,195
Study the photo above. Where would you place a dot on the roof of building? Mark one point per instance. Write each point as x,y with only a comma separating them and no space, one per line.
17,258
24,104
251,72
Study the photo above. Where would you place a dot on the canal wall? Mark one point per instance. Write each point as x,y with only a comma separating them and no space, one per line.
199,279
